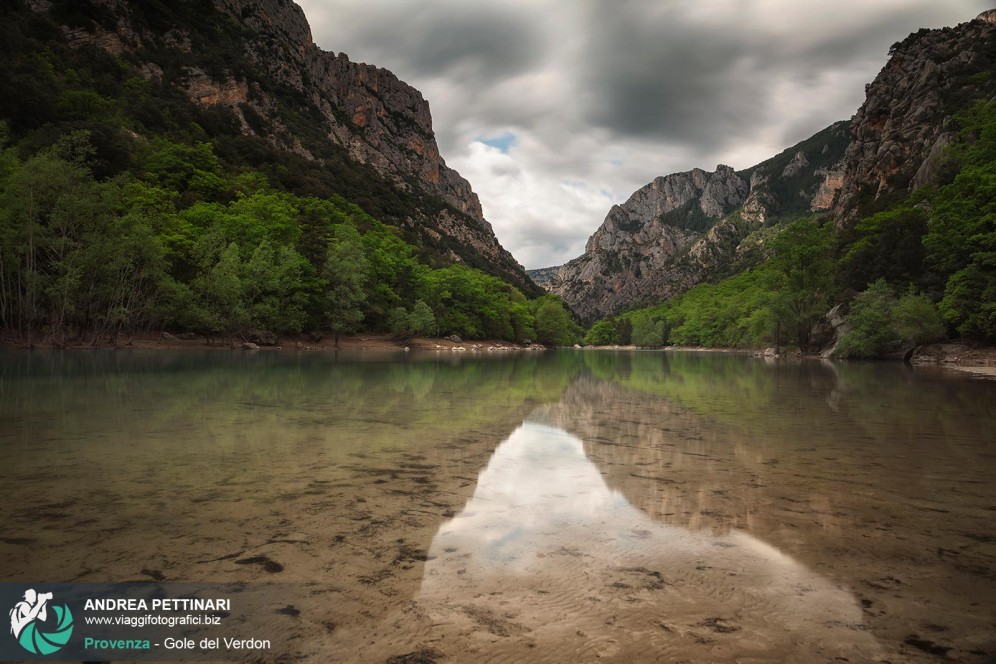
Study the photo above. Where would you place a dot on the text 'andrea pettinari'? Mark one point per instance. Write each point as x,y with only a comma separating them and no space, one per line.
158,604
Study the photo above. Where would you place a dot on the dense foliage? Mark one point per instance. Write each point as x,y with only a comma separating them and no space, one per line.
126,207
942,239
778,302
937,248
880,323
189,246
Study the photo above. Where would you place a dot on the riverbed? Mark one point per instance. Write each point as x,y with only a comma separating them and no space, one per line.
554,506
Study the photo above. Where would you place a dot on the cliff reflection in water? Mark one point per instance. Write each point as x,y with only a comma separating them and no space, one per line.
545,546
659,506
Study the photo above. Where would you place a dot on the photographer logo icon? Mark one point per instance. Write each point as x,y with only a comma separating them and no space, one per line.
31,626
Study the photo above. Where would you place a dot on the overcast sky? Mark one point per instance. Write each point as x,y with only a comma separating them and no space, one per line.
556,109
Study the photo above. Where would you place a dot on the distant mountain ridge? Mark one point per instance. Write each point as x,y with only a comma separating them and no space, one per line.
686,228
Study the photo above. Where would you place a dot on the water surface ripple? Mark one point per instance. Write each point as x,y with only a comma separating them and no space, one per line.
546,507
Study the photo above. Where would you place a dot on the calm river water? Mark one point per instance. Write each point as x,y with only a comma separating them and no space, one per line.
548,507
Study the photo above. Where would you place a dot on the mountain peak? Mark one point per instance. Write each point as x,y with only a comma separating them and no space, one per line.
256,60
899,133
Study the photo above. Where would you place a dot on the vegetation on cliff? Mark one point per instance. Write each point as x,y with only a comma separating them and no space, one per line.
914,272
181,243
125,206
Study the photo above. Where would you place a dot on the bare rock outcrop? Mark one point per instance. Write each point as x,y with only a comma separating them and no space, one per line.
899,132
683,228
624,258
379,121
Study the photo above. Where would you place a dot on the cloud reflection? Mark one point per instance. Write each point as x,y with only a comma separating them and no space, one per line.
547,552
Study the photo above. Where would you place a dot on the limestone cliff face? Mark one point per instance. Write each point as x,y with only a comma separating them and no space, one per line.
622,260
381,120
377,120
677,232
388,126
899,133
687,227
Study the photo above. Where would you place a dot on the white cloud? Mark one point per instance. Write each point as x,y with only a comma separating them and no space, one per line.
607,96
529,210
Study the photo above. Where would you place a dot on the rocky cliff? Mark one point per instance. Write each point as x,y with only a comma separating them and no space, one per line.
899,133
690,227
684,228
381,120
280,87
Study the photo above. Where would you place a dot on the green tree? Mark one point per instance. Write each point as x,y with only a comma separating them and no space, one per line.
36,219
554,324
192,170
648,330
890,247
472,304
881,323
74,260
218,305
344,274
801,269
602,333
969,302
274,288
916,320
871,333
420,321
124,264
961,237
624,331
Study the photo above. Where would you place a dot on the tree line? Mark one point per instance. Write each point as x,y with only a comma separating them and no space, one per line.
182,243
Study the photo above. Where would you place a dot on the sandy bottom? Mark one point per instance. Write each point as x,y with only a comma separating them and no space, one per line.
978,371
609,525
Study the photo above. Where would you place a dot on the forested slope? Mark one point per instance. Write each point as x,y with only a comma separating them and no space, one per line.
154,174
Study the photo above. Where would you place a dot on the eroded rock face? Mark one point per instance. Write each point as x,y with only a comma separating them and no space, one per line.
798,163
833,181
899,132
380,121
683,228
623,259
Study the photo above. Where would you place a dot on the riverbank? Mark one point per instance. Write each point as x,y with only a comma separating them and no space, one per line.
971,358
961,356
966,357
352,342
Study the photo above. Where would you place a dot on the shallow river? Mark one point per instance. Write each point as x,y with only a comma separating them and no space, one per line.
547,507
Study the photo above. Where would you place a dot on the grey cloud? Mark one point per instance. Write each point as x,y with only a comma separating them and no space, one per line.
476,43
495,46
667,76
666,80
545,247
663,85
866,42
